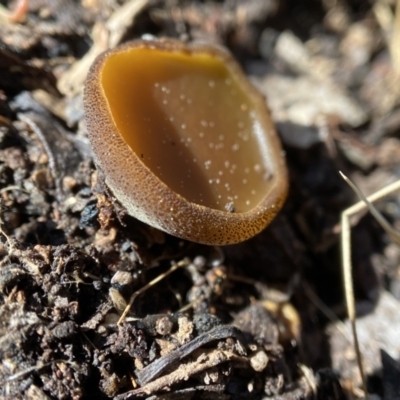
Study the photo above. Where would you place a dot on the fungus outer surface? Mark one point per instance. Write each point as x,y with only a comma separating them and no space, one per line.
185,142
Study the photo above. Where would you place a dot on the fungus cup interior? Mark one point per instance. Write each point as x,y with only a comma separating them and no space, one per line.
189,115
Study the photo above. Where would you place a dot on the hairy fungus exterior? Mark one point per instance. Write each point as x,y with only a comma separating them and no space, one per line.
184,141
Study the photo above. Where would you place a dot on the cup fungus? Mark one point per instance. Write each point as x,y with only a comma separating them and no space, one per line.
184,141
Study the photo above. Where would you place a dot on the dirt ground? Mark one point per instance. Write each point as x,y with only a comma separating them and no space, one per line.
258,320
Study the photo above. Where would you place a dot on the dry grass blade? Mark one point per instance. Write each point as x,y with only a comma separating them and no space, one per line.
176,266
348,288
390,24
346,253
394,235
395,39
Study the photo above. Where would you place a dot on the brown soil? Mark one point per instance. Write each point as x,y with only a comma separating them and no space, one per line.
245,321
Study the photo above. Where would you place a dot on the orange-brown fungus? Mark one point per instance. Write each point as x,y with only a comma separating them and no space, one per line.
185,142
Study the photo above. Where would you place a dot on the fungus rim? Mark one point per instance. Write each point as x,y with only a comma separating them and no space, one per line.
170,211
